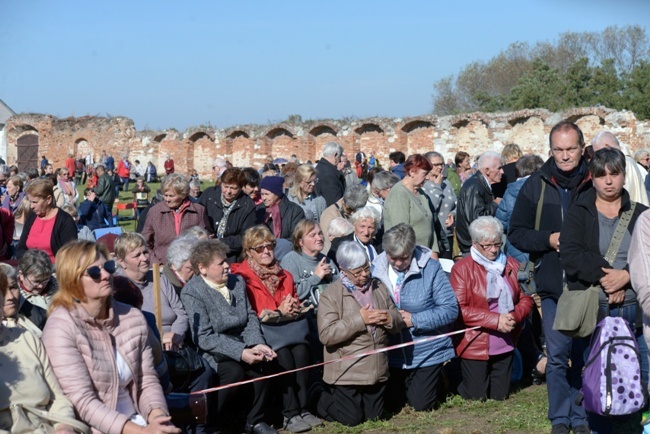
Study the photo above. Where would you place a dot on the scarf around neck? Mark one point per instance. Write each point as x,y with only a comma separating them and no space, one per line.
360,293
227,209
571,180
269,275
273,213
497,287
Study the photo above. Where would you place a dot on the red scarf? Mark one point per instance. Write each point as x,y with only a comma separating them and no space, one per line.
273,213
178,214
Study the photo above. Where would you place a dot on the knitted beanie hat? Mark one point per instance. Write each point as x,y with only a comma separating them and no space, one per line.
273,184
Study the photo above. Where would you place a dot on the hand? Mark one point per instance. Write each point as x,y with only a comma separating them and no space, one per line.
374,316
497,200
323,268
554,241
172,341
506,323
407,317
268,352
434,255
437,178
252,356
616,297
613,280
449,221
289,306
161,424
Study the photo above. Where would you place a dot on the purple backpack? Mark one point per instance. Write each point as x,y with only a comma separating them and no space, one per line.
611,379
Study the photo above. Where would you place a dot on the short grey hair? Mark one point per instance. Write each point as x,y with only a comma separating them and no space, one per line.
351,255
177,183
195,233
384,180
485,228
433,154
4,170
332,149
486,159
340,227
367,212
399,240
8,270
603,139
36,263
641,153
195,184
180,249
355,197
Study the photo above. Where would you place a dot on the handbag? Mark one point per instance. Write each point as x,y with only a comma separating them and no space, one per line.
31,420
577,311
187,409
181,365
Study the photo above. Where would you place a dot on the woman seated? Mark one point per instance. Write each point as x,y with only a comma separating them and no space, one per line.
365,222
489,296
226,329
113,385
83,231
271,289
278,212
178,269
421,291
37,284
133,257
355,315
29,383
302,192
19,312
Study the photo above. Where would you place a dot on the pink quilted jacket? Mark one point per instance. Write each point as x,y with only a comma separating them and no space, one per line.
82,354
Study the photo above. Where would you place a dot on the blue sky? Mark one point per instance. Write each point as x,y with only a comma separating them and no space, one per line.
177,64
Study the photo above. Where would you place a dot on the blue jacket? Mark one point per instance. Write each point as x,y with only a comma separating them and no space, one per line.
504,212
398,170
95,214
428,296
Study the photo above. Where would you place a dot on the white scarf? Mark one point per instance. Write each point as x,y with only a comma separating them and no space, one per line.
497,287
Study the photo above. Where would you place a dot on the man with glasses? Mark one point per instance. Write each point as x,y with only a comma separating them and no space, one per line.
561,180
476,198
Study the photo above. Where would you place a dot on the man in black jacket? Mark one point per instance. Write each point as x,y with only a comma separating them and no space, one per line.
565,177
331,182
476,199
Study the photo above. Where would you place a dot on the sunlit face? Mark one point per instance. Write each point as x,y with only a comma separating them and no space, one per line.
358,276
262,253
136,262
97,289
252,190
400,263
39,206
216,271
566,150
49,169
12,299
609,186
307,186
230,191
185,271
489,248
419,176
365,229
64,175
12,189
173,199
466,164
494,172
269,199
438,166
312,241
34,284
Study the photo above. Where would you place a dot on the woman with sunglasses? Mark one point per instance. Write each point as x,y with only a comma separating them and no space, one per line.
271,289
35,279
47,228
227,330
355,315
302,192
489,296
99,348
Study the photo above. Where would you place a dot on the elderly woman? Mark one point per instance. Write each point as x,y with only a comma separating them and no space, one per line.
113,385
355,197
132,255
382,182
178,269
408,203
355,315
230,211
19,312
47,228
278,213
37,285
339,227
586,237
365,222
14,193
489,296
302,192
166,220
442,196
29,382
311,270
226,329
421,291
271,289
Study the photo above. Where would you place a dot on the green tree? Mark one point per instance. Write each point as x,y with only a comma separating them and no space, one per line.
636,96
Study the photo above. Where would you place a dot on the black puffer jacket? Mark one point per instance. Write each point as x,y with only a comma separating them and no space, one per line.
290,213
522,234
474,200
241,218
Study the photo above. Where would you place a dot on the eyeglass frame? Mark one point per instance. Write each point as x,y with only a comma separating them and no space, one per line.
260,249
311,182
498,245
40,285
109,266
359,270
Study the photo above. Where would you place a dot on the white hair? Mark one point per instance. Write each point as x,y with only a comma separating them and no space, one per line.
366,212
339,227
332,149
485,228
486,158
603,139
351,255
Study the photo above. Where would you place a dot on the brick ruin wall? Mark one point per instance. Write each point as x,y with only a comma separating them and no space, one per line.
248,145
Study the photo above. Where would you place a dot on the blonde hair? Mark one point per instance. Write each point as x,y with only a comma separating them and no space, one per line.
303,173
256,235
176,182
511,152
72,260
303,227
23,210
126,243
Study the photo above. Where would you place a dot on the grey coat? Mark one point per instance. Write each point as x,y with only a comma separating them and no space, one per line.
220,330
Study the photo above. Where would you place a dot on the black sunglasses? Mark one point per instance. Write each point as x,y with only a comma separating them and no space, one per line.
260,249
95,272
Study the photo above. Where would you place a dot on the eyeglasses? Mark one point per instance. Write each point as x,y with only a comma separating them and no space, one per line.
260,249
438,164
95,272
314,181
40,284
357,272
490,246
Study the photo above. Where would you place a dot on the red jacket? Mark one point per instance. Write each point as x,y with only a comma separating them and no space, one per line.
71,165
169,166
468,280
259,297
123,170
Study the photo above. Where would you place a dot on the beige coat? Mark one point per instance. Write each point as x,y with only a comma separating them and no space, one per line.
330,213
342,332
82,355
638,258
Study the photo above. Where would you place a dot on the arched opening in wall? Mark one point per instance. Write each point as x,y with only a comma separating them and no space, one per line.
369,128
159,138
322,129
371,138
278,132
461,123
27,147
419,137
198,136
237,134
415,125
82,148
529,133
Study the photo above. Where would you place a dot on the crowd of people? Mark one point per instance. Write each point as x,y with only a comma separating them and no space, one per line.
275,269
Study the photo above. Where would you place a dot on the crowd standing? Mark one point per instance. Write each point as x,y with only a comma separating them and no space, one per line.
272,270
